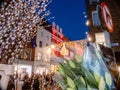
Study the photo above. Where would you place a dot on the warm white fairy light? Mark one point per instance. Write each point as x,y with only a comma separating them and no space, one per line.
17,25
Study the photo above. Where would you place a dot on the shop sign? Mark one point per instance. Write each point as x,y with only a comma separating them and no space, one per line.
107,17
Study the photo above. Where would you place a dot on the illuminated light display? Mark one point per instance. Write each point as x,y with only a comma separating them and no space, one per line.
64,50
57,36
107,17
61,36
54,31
68,50
18,25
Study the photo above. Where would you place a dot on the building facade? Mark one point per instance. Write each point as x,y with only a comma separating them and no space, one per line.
37,52
47,35
103,17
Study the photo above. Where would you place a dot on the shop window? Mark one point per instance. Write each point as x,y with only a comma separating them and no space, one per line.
40,44
93,2
95,19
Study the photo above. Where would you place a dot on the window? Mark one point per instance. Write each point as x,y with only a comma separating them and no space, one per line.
46,58
100,38
93,2
95,19
47,37
40,44
46,44
39,56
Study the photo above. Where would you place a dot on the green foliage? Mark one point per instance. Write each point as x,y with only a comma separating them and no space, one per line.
78,58
97,76
72,64
101,83
108,79
71,83
61,70
77,77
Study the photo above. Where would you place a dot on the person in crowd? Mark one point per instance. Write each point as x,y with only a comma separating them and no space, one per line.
36,83
26,84
11,84
31,77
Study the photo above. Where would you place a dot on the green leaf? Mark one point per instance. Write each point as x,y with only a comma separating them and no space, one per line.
70,83
68,70
82,80
78,58
72,64
60,68
97,76
108,79
88,87
90,78
101,83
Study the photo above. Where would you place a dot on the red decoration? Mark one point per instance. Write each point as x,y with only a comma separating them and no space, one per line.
53,31
57,53
61,36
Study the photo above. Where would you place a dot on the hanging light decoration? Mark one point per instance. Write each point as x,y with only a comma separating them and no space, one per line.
17,22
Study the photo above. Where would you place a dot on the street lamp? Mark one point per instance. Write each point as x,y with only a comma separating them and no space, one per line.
87,23
89,39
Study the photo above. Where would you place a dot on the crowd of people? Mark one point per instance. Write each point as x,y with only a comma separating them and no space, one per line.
35,82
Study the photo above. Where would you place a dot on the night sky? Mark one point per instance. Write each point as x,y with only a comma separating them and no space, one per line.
70,16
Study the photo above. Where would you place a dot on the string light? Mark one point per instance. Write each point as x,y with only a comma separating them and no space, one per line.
17,23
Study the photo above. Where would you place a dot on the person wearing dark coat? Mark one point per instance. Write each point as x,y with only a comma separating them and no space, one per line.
26,85
36,84
11,85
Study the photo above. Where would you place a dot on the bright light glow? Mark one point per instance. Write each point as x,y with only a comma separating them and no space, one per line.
49,51
86,33
12,13
85,16
119,69
89,38
87,23
37,71
53,46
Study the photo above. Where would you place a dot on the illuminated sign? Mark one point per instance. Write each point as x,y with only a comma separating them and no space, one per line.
107,17
64,50
57,37
69,50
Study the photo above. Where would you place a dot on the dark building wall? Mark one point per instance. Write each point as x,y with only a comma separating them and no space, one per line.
114,7
92,29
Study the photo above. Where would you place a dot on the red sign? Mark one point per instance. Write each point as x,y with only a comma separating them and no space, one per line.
107,17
